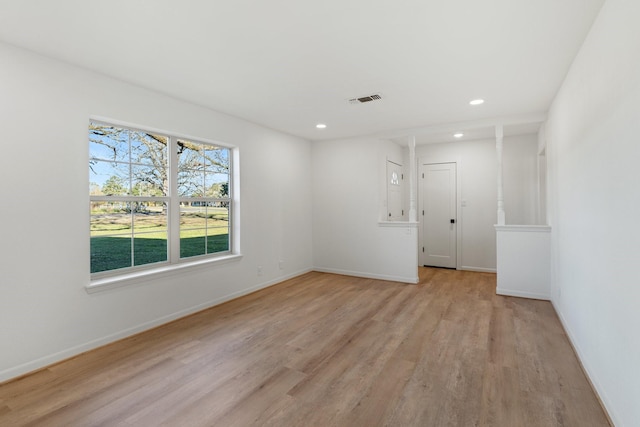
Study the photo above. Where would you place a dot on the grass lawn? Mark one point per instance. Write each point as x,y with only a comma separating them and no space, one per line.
111,239
110,253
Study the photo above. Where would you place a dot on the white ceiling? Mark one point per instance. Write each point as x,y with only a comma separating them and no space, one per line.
289,64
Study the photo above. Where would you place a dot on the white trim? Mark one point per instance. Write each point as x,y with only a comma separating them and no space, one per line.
459,212
234,191
588,371
413,179
174,205
524,228
131,198
521,294
386,187
478,269
451,127
501,215
48,360
142,276
398,224
412,280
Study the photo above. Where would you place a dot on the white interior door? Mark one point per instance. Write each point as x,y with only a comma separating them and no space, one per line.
394,191
438,204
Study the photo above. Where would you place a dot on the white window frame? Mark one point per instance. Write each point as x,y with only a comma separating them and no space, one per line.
174,264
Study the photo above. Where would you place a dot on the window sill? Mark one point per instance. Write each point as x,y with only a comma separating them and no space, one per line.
107,283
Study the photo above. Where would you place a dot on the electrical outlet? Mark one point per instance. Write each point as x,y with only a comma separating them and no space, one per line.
259,270
281,264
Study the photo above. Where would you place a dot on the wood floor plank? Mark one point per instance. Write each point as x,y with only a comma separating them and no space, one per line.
501,397
335,330
4,409
415,343
100,406
336,387
258,405
381,395
397,304
328,350
502,342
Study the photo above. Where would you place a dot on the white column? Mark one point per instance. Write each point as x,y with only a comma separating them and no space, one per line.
499,136
413,210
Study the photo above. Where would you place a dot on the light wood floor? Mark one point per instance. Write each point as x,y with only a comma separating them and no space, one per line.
325,350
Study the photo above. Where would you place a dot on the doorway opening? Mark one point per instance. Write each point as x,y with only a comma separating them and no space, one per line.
438,219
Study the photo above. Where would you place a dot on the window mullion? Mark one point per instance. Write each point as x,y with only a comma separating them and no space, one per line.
130,203
174,202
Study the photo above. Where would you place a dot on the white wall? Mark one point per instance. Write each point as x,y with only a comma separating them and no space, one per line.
593,148
348,202
45,311
542,176
476,168
520,179
523,261
477,173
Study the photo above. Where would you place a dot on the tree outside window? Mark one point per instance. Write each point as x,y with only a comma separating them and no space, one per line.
136,200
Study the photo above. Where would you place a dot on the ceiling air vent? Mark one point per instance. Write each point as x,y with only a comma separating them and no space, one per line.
363,99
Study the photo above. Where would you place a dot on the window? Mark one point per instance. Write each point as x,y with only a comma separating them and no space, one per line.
156,198
203,187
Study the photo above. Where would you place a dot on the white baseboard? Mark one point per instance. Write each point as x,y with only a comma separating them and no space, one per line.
478,269
51,359
521,294
412,280
588,371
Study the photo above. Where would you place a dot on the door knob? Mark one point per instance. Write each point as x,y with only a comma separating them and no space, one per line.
453,221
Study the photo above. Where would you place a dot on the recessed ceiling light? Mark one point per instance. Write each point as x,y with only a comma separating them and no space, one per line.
477,102
458,135
321,126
